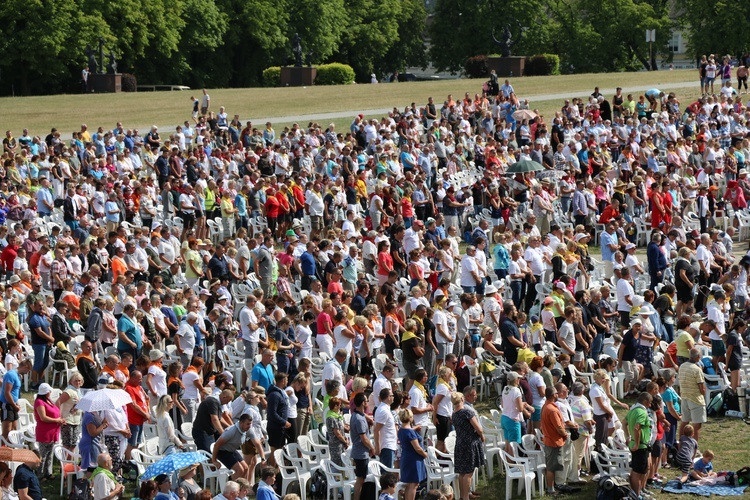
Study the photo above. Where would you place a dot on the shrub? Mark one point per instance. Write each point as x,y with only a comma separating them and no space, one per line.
129,83
476,67
542,65
334,74
272,76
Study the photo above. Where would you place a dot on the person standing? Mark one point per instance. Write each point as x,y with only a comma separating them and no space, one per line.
85,80
277,413
385,431
639,429
469,452
48,424
413,470
10,394
41,341
362,449
138,411
205,102
207,425
692,388
555,436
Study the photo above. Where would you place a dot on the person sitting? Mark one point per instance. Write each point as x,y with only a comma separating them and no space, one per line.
164,486
106,486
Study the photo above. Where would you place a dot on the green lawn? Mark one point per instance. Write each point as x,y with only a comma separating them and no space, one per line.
67,112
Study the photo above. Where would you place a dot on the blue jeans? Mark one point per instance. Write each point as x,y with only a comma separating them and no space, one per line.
41,357
480,287
501,273
469,289
668,332
515,288
596,346
387,457
136,433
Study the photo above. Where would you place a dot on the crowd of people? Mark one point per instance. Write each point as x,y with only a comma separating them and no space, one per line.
388,257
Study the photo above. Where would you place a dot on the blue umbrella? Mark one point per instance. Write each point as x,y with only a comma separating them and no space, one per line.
173,462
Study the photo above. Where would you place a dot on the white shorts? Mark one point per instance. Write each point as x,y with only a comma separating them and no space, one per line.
693,412
325,344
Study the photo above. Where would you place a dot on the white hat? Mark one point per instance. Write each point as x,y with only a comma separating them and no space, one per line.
155,354
636,321
490,289
561,285
637,300
647,310
581,236
44,389
629,246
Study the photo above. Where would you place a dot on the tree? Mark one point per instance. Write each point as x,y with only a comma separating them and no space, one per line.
714,27
205,27
41,39
410,49
319,24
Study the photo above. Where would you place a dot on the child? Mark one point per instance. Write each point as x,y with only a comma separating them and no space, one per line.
537,333
522,326
20,264
703,467
388,486
447,491
686,452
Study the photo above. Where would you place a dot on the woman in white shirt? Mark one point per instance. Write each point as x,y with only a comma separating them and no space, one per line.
515,411
117,433
537,386
168,440
441,416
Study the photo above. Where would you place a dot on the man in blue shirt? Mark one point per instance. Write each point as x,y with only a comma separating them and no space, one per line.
263,372
10,394
130,341
609,247
26,483
307,266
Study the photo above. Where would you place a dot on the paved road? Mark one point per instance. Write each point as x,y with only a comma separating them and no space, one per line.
532,99
377,113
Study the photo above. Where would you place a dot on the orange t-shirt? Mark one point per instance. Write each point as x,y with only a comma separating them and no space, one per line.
118,268
73,300
551,421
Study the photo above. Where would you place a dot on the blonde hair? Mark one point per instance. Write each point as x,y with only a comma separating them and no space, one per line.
359,384
405,416
457,398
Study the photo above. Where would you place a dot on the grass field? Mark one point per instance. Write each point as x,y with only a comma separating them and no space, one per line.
67,112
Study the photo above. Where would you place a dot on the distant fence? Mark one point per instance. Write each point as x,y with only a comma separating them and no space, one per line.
161,88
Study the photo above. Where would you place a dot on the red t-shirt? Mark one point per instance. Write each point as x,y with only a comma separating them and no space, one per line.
272,207
139,398
407,209
8,256
323,320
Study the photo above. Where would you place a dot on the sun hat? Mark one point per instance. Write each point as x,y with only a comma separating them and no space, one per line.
490,289
44,389
155,355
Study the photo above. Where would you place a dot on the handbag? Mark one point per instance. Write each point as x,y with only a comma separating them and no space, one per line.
574,434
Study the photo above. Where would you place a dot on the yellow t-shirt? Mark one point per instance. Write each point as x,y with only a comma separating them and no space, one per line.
683,350
690,376
194,257
227,208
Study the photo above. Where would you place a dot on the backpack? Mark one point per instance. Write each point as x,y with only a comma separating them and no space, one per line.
318,485
742,476
81,490
716,407
731,400
614,488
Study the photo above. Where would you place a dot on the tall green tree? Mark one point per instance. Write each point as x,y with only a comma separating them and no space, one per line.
42,41
319,24
410,49
714,26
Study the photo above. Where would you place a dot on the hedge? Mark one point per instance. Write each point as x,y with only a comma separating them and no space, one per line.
272,76
334,74
542,65
476,67
128,83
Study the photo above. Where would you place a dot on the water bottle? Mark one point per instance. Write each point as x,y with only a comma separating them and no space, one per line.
735,414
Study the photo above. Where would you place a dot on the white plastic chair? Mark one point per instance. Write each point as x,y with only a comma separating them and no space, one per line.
339,478
517,469
69,466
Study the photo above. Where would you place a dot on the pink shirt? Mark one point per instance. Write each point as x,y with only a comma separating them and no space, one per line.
46,432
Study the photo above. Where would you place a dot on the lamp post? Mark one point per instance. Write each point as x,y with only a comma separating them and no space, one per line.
651,38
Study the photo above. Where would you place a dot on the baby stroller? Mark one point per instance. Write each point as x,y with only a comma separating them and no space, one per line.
493,369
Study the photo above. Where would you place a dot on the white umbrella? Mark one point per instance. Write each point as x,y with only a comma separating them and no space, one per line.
104,399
